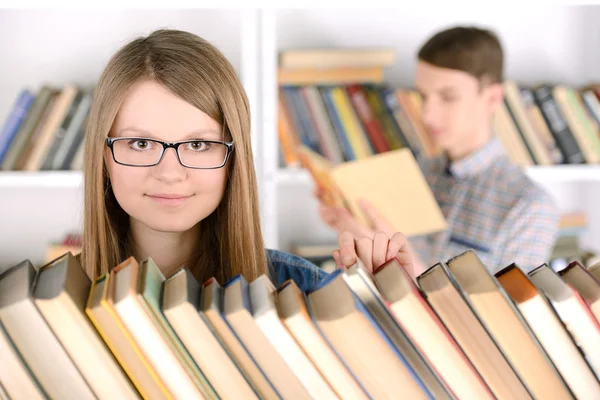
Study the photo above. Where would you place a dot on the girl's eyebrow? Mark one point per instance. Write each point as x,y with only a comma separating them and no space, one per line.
207,133
131,129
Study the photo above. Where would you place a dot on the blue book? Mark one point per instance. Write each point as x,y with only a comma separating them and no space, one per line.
299,120
360,282
372,358
337,123
245,293
15,120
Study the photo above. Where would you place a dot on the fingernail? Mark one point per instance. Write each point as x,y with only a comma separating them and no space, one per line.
347,259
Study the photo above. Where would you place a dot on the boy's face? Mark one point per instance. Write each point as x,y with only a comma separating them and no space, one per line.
456,110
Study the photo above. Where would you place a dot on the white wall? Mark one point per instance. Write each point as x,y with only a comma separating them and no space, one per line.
30,217
59,46
590,35
541,42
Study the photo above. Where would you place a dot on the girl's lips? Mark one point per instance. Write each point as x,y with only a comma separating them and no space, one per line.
169,199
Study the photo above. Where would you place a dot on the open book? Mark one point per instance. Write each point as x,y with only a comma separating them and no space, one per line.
390,181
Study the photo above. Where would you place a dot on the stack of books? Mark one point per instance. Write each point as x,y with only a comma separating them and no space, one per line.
455,332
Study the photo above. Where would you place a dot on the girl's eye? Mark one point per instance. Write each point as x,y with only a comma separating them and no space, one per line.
198,146
140,144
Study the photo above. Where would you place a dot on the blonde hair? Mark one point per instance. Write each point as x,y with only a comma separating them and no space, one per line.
193,69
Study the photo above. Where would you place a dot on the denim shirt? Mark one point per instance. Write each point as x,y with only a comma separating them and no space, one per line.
283,266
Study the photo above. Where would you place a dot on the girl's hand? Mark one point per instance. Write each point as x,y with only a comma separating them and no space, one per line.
373,253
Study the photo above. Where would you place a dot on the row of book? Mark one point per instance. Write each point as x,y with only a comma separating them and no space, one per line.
455,332
329,103
45,129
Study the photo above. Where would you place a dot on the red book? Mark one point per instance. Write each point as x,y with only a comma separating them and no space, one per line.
428,332
371,124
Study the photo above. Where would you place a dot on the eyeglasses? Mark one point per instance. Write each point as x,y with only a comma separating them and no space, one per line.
142,152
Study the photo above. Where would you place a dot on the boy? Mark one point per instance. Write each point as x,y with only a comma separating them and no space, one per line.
489,203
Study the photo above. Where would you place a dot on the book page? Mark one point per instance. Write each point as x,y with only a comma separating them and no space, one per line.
392,182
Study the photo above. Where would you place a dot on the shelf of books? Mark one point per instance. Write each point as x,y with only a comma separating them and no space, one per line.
134,333
41,141
346,113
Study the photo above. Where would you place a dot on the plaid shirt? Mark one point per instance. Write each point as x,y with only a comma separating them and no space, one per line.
491,207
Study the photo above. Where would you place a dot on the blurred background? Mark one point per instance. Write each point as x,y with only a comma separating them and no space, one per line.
47,51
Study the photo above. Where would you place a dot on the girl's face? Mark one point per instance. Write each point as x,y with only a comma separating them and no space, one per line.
166,197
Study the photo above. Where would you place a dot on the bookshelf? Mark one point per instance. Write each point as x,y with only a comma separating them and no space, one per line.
565,53
560,46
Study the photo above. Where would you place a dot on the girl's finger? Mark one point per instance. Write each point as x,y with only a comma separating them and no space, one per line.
396,244
347,249
380,249
398,247
338,259
364,249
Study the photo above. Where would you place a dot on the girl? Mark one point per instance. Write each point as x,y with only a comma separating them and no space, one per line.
169,171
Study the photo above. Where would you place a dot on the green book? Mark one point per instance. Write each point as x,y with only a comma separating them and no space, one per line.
151,284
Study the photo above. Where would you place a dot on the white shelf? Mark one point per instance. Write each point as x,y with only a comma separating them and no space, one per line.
41,179
284,176
565,173
550,174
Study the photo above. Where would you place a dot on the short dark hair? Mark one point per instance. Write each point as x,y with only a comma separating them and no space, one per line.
473,50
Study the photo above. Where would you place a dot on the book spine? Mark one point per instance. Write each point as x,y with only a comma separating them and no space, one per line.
72,134
404,125
299,119
592,105
337,123
540,127
521,135
394,134
558,125
15,119
370,123
60,134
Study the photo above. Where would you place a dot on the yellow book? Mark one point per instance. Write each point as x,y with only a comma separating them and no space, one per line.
151,284
118,339
407,203
324,76
130,302
352,127
61,292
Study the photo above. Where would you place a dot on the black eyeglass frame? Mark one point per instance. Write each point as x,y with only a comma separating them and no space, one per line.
165,145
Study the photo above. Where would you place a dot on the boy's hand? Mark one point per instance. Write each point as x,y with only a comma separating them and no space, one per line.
341,220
